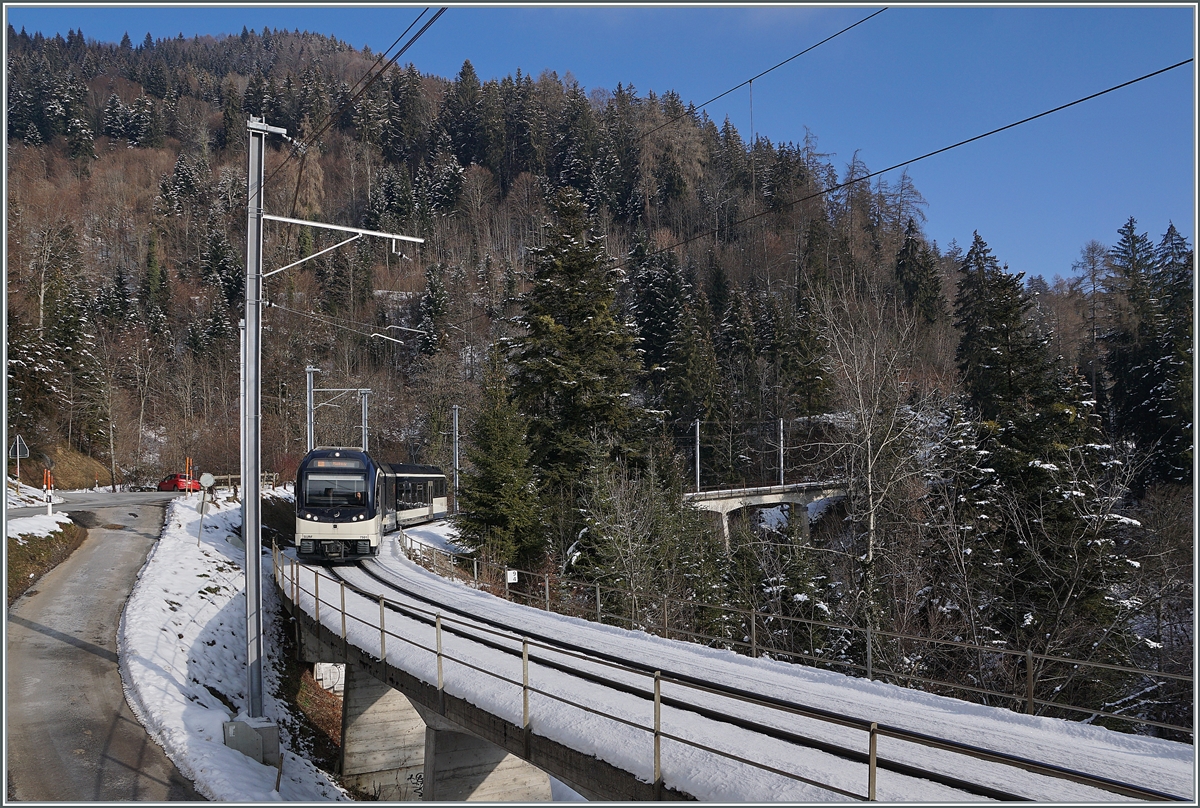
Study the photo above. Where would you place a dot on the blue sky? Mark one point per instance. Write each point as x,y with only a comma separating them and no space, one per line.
908,81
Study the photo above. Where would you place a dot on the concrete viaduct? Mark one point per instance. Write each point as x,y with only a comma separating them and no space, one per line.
403,739
725,501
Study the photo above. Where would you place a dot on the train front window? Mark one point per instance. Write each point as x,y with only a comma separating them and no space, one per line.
335,490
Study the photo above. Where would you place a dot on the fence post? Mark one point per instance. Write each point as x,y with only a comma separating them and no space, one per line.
753,633
599,616
475,574
317,598
525,693
658,784
382,635
1029,706
547,593
666,629
343,586
506,597
871,767
437,627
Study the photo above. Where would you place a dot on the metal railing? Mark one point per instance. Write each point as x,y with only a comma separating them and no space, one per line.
653,614
270,479
316,592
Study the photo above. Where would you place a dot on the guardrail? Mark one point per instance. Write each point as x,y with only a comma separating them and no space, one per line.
269,479
303,586
665,616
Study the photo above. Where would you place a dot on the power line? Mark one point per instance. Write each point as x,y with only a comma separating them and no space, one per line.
303,147
765,72
839,186
333,116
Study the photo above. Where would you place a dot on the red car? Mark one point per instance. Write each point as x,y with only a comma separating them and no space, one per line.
178,482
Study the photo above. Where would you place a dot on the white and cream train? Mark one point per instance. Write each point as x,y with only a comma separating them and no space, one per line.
346,502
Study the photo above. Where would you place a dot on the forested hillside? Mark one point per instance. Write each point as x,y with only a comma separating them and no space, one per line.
603,268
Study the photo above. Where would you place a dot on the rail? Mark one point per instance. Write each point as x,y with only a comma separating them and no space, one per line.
303,586
654,614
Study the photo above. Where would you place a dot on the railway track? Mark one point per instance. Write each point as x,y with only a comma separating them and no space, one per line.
603,671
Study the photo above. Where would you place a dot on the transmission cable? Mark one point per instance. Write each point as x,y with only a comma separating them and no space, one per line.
849,182
303,147
760,75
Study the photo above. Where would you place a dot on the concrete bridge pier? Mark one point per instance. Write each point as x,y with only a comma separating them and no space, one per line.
461,767
395,751
383,739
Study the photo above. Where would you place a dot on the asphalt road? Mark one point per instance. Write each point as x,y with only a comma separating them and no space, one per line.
71,735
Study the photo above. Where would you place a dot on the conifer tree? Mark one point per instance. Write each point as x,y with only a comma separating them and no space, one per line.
497,497
1172,281
574,365
1001,361
1138,350
916,271
155,289
461,116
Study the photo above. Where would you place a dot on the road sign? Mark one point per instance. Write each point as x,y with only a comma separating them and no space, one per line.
18,450
207,480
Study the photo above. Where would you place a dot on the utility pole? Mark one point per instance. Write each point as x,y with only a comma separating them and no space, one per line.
781,451
456,458
308,409
252,412
251,403
362,395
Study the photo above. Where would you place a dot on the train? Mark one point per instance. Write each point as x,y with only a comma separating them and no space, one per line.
346,501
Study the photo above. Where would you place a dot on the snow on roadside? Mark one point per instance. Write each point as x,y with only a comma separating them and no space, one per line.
39,526
182,651
20,495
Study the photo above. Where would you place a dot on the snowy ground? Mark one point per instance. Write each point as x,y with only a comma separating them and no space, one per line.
182,657
182,648
20,495
29,526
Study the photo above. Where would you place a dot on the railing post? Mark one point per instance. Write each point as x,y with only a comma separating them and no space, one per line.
599,616
753,633
1029,706
506,597
343,586
525,694
437,627
658,784
317,598
871,767
666,629
475,574
547,593
382,634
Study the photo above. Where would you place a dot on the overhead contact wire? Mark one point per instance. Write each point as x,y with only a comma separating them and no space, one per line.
765,72
925,156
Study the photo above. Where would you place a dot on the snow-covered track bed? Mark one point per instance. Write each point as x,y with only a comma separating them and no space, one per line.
720,713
